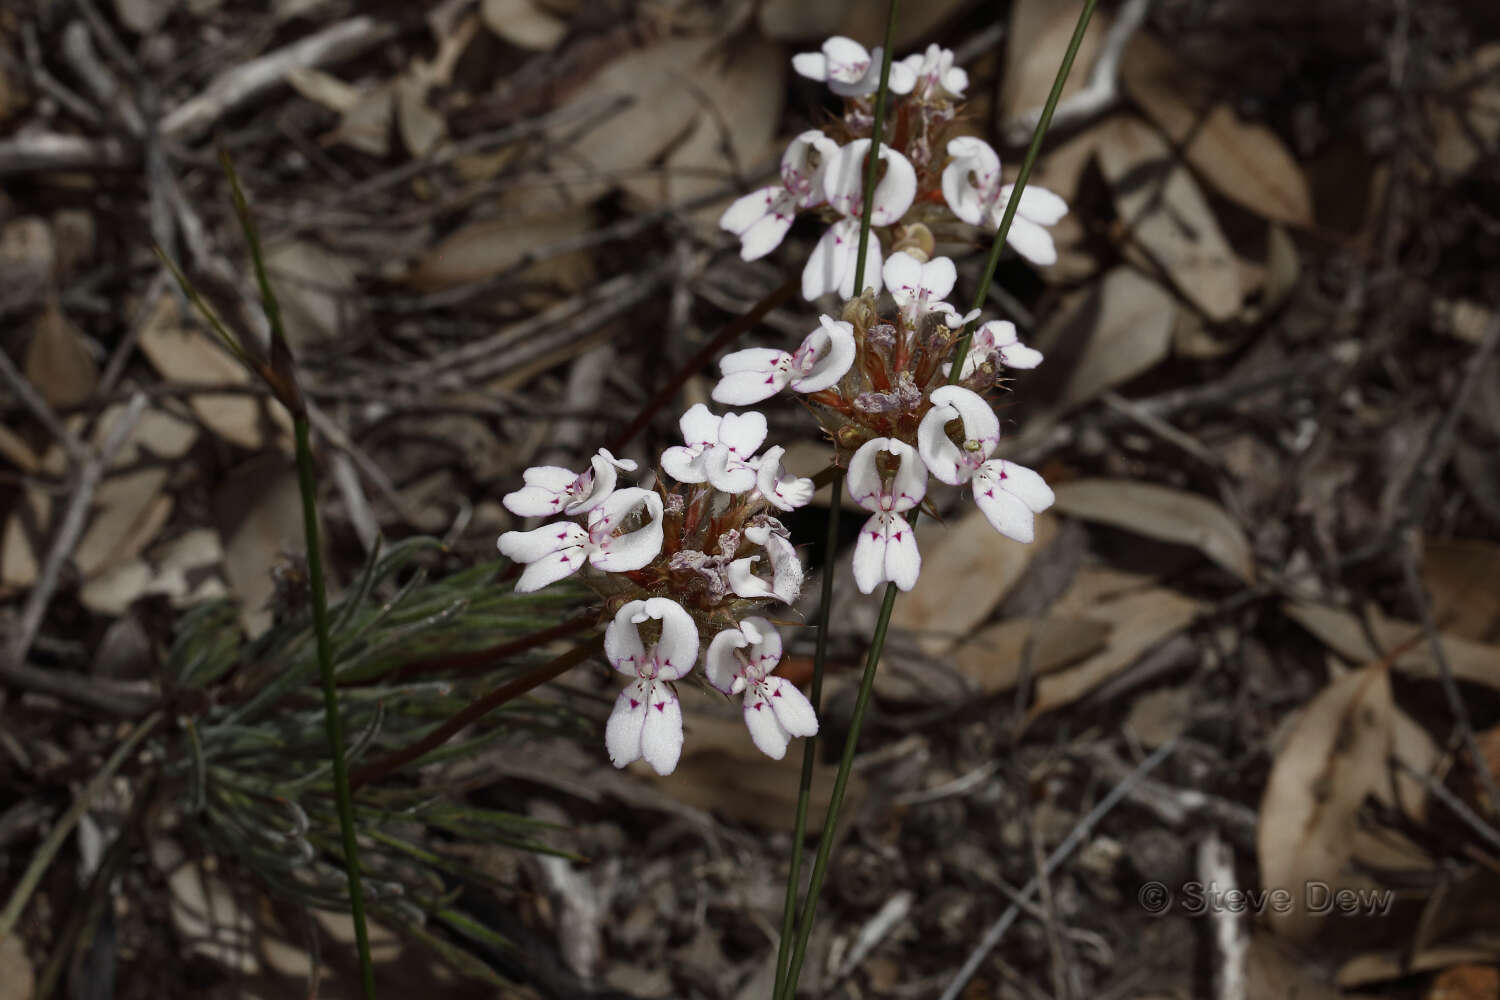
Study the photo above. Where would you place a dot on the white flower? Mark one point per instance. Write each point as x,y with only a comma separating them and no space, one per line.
849,70
759,373
1010,496
972,188
719,450
781,489
559,549
887,549
919,288
647,717
935,74
998,339
956,463
761,218
831,265
740,661
550,489
785,584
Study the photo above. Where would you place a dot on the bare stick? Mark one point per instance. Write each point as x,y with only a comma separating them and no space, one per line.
236,87
1059,854
74,520
38,151
1216,868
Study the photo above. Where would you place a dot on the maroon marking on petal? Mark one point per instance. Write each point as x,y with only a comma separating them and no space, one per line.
661,706
899,534
759,705
634,703
776,693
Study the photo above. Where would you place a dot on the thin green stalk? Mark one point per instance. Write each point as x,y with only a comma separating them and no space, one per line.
876,133
786,987
809,746
333,722
840,781
1032,152
42,859
280,375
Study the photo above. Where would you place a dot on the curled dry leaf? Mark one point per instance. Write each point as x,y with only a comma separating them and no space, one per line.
1343,632
1245,162
1458,574
1137,621
58,361
524,24
1118,330
1334,758
968,569
1167,216
1163,513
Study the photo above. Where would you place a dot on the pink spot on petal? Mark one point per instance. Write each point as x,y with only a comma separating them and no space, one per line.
661,706
634,704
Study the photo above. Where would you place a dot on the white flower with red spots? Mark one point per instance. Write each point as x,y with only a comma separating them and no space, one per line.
850,70
887,548
719,450
758,373
919,288
935,75
740,661
831,266
761,218
551,489
974,192
998,341
785,584
647,718
1009,495
560,549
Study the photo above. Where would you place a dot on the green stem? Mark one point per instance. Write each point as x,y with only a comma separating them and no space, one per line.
64,826
1032,151
333,722
809,748
840,782
873,166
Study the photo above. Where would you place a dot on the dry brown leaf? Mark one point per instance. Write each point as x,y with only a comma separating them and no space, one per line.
17,980
1127,322
1245,162
488,247
967,568
258,511
366,124
1466,982
1159,715
315,286
803,20
421,128
992,658
129,511
184,353
323,88
1342,632
58,361
1459,575
524,24
1038,37
1465,114
25,530
1334,758
1138,621
1383,966
1163,513
721,771
1168,217
28,257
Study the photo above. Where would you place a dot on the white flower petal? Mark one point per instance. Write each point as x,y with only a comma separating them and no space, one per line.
938,278
549,569
743,433
1032,242
970,180
765,643
863,478
848,60
896,190
802,179
622,733
903,277
529,546
728,473
793,710
830,259
721,664
622,640
1009,496
661,736
542,496
844,177
781,489
955,463
903,78
622,553
766,731
872,270
749,209
699,426
813,65
910,483
1041,206
744,582
939,454
786,569
752,375
830,351
886,551
677,649
685,464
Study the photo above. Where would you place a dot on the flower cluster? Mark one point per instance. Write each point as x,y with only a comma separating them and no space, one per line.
702,550
919,190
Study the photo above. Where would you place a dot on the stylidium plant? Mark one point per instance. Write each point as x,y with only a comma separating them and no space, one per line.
690,563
